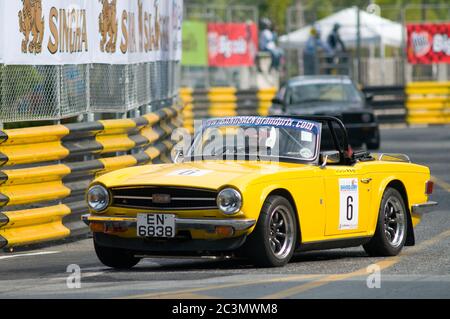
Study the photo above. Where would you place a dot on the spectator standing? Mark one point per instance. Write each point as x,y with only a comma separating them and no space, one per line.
267,43
334,40
336,46
313,46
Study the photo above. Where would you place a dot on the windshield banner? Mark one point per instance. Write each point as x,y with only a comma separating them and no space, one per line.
53,32
428,43
279,122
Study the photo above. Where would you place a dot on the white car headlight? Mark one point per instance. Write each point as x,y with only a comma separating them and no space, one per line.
366,118
229,201
98,198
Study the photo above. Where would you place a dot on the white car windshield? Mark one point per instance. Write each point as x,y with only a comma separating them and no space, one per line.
256,138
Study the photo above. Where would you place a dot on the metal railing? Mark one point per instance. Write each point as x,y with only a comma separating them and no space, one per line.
44,171
39,93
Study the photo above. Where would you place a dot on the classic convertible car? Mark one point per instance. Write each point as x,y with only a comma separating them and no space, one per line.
259,188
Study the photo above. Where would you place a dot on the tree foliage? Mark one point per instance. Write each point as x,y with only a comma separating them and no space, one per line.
276,10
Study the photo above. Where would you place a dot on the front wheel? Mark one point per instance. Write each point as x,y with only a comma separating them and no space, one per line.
390,235
272,242
115,258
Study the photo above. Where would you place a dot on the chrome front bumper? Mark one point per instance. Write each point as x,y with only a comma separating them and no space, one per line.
207,224
423,208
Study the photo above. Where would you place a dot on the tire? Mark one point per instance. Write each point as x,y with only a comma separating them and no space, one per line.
115,258
261,246
390,235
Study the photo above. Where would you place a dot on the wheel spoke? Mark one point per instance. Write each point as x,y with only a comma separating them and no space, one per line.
280,223
391,210
280,234
388,235
275,218
277,244
272,245
392,221
391,231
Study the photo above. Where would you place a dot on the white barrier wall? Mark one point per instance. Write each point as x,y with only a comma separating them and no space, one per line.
58,32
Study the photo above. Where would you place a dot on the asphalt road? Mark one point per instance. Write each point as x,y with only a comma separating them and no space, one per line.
422,271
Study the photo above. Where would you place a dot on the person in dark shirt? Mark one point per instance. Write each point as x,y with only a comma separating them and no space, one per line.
337,47
334,39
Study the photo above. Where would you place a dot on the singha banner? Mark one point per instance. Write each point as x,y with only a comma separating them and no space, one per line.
49,32
232,44
428,43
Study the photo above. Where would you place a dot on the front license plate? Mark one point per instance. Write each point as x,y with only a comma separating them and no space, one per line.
156,225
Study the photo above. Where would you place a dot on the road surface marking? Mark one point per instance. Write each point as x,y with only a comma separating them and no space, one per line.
386,263
30,254
321,279
175,293
441,183
328,279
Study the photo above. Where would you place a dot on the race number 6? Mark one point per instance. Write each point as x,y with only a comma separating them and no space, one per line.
349,208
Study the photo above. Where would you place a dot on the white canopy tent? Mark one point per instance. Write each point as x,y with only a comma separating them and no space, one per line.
374,30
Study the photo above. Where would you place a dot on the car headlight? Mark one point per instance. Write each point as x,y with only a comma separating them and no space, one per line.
98,198
366,118
229,201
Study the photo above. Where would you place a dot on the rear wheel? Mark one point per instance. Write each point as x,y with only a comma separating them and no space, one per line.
115,258
390,235
272,242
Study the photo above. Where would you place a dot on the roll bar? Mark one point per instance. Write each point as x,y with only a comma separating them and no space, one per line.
329,120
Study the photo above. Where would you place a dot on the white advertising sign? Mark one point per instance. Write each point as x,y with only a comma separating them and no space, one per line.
2,29
53,32
348,203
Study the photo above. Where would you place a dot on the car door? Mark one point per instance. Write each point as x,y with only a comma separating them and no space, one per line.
347,199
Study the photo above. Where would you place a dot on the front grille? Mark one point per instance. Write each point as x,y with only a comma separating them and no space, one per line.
357,117
164,198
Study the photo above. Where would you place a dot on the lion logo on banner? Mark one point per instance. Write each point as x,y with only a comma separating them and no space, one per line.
31,23
107,21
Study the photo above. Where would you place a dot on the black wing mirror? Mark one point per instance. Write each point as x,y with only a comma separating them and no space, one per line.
277,100
369,97
280,102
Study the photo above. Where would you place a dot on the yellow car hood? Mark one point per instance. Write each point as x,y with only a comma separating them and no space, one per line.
204,174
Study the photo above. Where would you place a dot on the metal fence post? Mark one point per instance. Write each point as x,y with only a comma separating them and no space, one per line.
358,42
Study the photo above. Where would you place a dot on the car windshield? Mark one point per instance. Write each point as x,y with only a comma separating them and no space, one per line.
324,92
256,138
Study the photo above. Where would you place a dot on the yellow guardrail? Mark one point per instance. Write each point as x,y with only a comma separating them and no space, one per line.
428,102
34,199
224,101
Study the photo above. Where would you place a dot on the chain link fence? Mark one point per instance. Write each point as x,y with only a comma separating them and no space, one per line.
53,93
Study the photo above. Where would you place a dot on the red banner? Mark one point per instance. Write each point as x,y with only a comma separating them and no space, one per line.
428,43
232,44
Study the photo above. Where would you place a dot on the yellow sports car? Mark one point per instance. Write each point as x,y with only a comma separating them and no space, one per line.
259,188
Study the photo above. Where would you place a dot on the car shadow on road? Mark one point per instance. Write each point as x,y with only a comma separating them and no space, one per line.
234,264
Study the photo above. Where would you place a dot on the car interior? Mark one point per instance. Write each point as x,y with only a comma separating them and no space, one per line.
334,146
